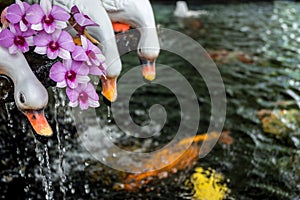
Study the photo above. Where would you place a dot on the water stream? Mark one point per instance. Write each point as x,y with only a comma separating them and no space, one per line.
60,147
42,154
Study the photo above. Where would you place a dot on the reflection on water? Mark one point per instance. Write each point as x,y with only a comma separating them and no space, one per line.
256,48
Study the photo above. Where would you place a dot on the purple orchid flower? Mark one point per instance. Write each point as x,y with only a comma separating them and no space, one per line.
85,95
14,39
69,73
16,13
82,20
60,44
88,53
98,70
45,17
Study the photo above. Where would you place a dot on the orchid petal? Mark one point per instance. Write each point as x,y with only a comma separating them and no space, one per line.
20,3
89,63
95,61
73,104
12,28
59,13
81,87
74,10
29,32
24,48
68,63
83,105
82,70
23,26
103,67
64,54
92,47
62,84
83,20
46,6
49,28
72,95
37,27
13,49
56,35
65,40
93,103
42,39
40,50
82,79
72,84
94,70
34,14
60,24
26,5
6,38
14,13
79,54
29,41
52,54
75,66
57,72
15,29
90,90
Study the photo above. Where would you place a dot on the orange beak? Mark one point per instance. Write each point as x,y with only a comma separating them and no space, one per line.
120,27
109,88
39,122
148,70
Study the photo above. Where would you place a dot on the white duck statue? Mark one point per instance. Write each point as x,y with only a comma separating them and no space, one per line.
105,34
30,95
138,14
182,11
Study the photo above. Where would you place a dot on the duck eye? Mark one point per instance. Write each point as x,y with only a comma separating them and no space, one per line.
22,98
139,51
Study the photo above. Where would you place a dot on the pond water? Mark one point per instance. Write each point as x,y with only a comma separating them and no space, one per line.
256,49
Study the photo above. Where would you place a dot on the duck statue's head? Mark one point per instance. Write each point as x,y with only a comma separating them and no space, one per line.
30,95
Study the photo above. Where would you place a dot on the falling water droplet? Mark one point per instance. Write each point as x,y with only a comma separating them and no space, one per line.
26,189
87,188
108,115
24,129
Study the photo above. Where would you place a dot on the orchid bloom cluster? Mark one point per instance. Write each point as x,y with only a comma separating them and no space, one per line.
41,25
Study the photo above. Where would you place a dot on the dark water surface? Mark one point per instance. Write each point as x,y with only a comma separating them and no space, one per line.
256,49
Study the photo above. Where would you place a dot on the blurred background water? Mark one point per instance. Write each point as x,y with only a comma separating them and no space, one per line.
256,49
